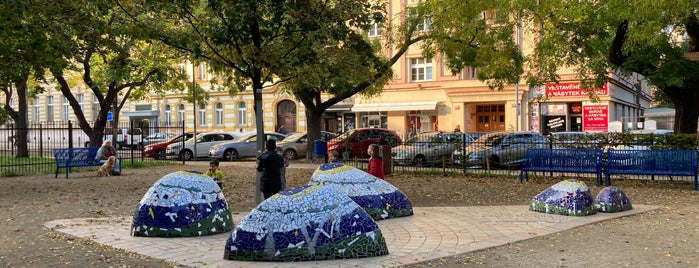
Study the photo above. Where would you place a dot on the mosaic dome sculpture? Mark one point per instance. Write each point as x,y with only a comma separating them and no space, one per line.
612,199
569,197
306,223
182,204
379,198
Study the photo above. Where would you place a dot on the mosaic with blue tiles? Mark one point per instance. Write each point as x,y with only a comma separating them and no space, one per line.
379,198
569,197
612,199
306,223
182,204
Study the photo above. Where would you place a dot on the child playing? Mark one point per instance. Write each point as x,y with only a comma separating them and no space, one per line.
333,157
375,162
286,164
215,173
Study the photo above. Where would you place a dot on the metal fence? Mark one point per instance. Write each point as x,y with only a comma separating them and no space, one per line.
42,137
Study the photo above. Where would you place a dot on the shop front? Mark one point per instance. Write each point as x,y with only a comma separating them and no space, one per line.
566,110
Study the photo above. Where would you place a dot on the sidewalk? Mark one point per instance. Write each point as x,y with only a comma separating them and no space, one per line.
433,232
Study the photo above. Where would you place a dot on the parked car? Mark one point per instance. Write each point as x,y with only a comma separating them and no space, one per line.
295,145
574,139
204,141
355,142
126,137
428,148
156,138
500,148
157,150
245,146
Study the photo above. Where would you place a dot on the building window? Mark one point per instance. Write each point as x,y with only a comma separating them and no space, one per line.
64,110
95,107
81,102
180,115
375,29
49,108
242,120
420,69
424,24
201,114
35,114
218,120
167,115
201,71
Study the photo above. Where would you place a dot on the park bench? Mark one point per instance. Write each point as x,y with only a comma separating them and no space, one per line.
75,157
562,160
651,162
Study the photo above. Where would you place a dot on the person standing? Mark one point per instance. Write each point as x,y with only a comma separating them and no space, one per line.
286,164
270,163
104,152
375,161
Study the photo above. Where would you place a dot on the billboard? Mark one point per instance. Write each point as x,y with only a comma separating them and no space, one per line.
595,118
572,90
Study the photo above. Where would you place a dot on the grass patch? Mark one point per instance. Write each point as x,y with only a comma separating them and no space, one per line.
14,167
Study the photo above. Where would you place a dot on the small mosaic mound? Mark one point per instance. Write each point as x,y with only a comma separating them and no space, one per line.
182,204
303,224
379,198
569,197
612,199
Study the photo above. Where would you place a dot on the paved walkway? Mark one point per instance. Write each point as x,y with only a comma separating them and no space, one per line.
431,233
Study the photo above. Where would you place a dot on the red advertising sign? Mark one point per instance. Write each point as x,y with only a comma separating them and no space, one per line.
596,118
572,90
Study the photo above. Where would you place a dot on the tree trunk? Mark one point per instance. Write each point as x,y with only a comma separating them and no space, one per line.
313,121
20,118
686,108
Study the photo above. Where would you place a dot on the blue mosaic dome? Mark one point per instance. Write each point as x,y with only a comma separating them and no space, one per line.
379,198
612,199
569,197
303,224
182,204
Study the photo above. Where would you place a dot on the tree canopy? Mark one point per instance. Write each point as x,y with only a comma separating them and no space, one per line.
651,38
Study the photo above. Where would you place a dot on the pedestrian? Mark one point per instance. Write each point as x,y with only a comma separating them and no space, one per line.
104,152
270,164
333,157
375,162
286,164
215,173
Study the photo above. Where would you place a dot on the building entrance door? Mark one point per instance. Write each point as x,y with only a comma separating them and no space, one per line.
490,117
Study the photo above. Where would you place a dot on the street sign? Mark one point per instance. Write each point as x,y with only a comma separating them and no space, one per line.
109,116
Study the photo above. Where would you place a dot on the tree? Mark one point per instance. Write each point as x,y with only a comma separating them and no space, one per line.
347,64
25,52
651,38
110,57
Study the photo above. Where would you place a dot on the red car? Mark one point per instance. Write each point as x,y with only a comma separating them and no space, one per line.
157,150
355,142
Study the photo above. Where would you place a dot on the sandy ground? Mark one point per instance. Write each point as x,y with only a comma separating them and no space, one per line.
667,237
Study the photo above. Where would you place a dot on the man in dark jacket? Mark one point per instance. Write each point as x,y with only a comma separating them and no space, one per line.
270,164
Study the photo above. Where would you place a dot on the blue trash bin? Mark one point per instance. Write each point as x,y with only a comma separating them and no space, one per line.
320,148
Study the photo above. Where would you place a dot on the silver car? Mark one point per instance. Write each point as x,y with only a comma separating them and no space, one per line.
499,149
295,145
245,146
428,148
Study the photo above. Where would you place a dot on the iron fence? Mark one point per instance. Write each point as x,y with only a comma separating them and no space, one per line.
42,137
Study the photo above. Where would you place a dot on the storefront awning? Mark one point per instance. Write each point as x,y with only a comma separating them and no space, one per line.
395,106
141,113
340,108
